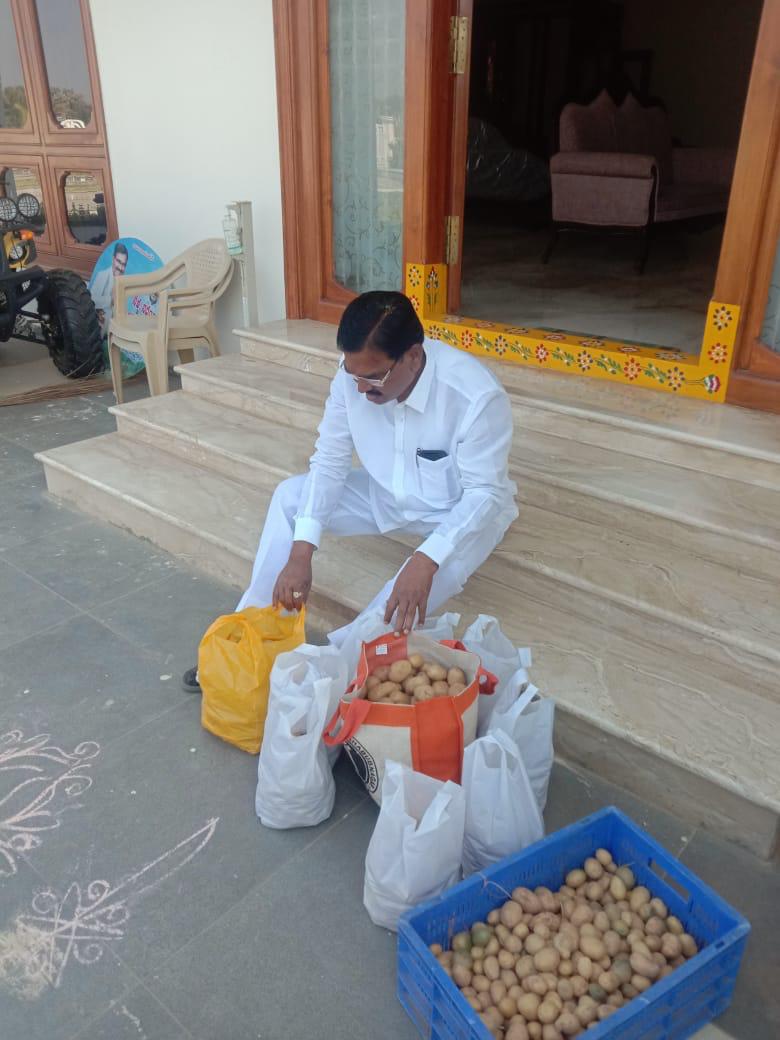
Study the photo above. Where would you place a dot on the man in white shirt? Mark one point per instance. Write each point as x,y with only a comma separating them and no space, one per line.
432,429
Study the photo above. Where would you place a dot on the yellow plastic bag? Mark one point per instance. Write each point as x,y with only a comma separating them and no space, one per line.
235,659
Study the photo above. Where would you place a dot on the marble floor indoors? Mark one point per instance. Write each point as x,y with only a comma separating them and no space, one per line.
590,284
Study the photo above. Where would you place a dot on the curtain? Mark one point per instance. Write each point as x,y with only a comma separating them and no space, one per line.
366,65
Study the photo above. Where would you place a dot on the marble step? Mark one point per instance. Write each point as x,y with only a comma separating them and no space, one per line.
737,443
669,583
621,679
747,513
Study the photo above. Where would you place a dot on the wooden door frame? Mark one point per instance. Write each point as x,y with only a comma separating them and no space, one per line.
752,232
302,86
300,31
433,188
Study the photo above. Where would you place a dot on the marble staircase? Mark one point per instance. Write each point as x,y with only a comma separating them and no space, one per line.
644,569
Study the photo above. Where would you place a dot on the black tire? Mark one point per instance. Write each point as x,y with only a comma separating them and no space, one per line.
70,325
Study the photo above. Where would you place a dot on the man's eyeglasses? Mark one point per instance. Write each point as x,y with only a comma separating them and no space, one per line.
378,383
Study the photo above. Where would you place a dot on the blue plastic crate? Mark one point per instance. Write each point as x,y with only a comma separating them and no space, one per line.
672,1009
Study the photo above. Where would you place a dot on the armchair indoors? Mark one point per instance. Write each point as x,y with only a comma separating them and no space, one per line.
618,170
185,314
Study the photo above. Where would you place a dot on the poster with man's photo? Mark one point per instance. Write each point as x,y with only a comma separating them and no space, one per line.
123,256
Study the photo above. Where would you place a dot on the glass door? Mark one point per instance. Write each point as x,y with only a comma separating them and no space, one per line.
366,48
341,74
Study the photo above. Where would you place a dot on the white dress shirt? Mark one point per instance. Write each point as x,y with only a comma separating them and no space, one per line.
457,406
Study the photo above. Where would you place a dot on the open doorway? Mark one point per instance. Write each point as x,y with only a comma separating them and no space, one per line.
565,98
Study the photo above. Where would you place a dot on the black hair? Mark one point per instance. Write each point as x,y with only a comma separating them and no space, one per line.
120,247
383,320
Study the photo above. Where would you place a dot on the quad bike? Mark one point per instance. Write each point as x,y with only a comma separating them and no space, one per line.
64,319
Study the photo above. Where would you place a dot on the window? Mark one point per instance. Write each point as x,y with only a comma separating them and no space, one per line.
67,72
85,207
52,136
14,109
18,180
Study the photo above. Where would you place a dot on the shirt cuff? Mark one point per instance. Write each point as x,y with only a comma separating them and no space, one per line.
307,529
436,547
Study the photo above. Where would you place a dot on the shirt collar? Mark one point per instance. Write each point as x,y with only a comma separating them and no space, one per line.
418,398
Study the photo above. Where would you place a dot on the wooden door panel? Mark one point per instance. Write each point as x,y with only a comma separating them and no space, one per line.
83,253
48,241
303,90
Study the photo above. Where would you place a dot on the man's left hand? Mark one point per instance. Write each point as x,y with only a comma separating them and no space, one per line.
409,598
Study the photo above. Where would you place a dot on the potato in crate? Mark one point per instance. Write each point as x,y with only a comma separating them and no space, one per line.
596,929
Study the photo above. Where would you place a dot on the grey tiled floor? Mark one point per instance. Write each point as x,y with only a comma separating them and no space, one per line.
195,923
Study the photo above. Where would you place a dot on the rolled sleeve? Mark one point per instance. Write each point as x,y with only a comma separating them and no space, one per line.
307,529
436,548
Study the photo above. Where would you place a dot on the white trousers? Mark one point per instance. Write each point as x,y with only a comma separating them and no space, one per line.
352,516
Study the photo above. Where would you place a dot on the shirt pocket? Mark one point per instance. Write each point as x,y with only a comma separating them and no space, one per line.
439,480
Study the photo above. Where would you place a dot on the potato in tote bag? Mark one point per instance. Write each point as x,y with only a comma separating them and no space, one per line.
372,625
428,737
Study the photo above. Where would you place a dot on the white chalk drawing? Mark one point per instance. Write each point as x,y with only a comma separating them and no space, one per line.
38,783
37,949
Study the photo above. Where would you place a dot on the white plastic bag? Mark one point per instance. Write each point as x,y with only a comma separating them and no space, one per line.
506,694
415,850
295,786
529,722
502,816
440,628
499,656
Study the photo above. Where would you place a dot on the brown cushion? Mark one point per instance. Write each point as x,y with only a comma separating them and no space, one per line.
645,131
589,128
677,201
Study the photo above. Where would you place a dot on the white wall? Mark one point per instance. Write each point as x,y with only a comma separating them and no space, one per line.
703,53
189,93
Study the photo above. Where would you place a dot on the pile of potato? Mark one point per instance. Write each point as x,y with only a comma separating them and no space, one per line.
549,965
413,680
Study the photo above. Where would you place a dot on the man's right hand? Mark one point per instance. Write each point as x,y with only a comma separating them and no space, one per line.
295,578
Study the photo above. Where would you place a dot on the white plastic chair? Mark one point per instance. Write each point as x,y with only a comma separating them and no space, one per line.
185,313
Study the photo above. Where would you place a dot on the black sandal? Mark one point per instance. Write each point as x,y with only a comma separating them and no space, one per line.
189,681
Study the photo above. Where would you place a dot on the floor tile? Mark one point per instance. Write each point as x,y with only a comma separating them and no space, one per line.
93,563
304,933
26,606
154,790
52,985
171,617
15,461
79,681
51,423
28,512
136,1016
753,888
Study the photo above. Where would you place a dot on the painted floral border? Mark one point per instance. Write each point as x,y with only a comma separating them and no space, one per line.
704,376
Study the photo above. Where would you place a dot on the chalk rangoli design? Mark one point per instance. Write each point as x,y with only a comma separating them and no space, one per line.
45,782
37,949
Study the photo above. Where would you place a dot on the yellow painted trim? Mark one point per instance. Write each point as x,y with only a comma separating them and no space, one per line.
705,377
